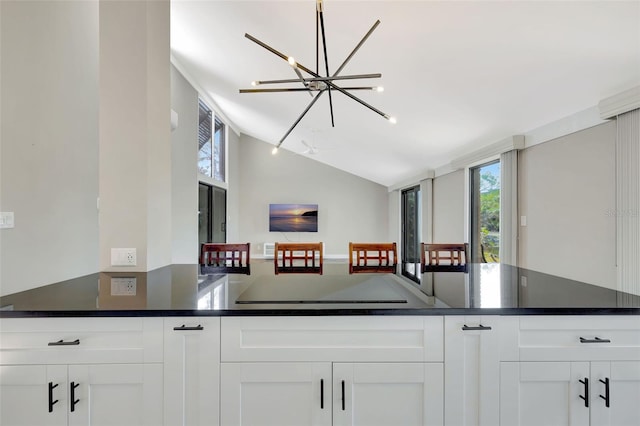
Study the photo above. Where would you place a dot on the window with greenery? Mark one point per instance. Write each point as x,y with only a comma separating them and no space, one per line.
485,212
211,144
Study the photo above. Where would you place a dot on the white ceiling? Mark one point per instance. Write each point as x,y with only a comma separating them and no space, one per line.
457,75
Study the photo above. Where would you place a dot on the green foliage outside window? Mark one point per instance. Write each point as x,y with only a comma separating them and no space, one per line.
490,215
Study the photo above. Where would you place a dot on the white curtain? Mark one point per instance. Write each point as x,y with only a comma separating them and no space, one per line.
509,207
628,201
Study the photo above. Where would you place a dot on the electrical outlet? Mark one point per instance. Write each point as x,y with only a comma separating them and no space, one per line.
123,257
6,220
123,286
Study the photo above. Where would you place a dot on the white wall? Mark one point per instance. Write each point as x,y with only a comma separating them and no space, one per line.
184,171
49,142
448,208
234,191
566,190
349,208
134,131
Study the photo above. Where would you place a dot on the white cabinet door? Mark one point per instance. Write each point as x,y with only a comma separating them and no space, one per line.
544,393
474,347
33,395
615,393
376,394
191,371
275,394
115,395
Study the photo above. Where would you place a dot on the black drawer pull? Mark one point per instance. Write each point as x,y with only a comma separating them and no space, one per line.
606,391
51,401
594,340
322,394
185,328
343,395
63,343
74,401
480,327
586,392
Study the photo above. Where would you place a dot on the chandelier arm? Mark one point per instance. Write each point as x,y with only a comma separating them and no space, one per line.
317,42
284,89
366,36
272,50
301,78
360,101
307,80
280,54
326,60
313,101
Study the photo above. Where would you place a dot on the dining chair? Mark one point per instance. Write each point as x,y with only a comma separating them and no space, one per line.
225,258
302,258
372,257
444,257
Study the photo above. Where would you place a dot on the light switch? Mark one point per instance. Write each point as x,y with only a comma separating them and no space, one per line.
523,221
6,220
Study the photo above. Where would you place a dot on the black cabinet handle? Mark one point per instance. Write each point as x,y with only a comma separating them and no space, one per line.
594,340
322,394
606,391
185,328
74,401
63,343
342,385
586,392
51,401
480,327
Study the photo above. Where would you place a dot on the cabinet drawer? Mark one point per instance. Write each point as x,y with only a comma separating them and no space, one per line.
80,340
575,338
367,338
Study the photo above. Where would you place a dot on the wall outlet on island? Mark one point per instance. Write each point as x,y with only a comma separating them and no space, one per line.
123,257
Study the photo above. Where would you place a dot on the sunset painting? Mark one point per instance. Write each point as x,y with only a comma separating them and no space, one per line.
293,217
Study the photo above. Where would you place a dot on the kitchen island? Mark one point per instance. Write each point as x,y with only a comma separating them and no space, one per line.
182,346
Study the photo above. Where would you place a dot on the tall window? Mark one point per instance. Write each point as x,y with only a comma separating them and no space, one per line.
485,212
411,233
212,212
211,144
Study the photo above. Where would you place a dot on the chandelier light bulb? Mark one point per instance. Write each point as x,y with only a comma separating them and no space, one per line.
254,83
274,151
379,89
393,120
292,61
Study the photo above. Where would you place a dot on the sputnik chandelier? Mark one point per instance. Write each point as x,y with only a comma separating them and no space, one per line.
316,83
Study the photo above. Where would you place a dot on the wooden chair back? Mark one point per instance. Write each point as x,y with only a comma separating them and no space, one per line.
372,257
444,257
222,257
301,258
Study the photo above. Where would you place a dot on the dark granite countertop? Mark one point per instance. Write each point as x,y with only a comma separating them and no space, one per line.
188,290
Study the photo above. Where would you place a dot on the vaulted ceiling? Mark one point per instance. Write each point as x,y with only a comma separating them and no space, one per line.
456,74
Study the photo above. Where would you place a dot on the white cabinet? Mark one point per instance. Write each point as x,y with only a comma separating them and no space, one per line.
109,394
33,395
322,393
474,347
191,371
544,393
389,394
615,393
570,393
574,370
89,371
276,394
366,371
